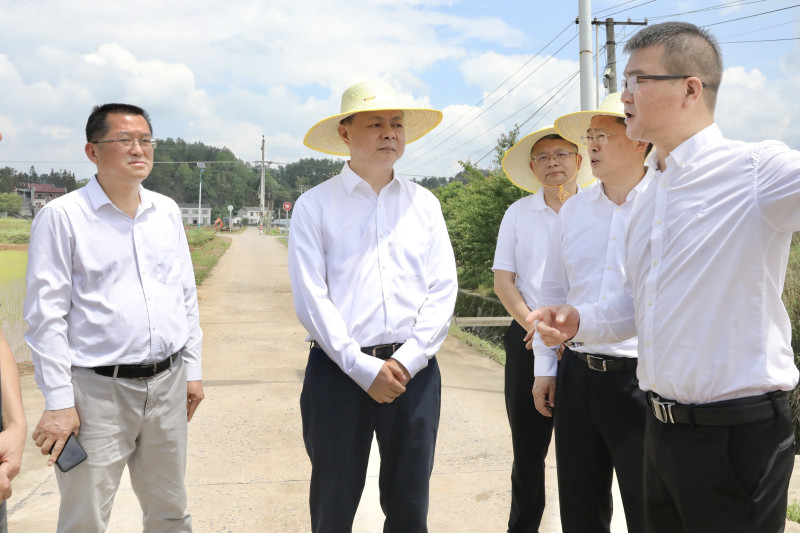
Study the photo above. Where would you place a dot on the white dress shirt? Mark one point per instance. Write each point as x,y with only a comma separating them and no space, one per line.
105,289
522,244
371,269
707,249
585,264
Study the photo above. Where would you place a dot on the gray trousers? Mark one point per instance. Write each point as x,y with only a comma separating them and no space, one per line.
138,422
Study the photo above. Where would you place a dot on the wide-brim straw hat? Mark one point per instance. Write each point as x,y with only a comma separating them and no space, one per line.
517,162
574,125
369,96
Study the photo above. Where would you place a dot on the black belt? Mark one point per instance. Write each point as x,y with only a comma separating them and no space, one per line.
725,413
603,363
381,351
136,371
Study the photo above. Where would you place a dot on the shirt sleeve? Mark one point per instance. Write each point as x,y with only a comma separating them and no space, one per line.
433,320
47,302
777,177
505,252
313,306
555,289
613,320
192,351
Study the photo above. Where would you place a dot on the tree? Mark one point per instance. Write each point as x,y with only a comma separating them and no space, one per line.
10,202
473,206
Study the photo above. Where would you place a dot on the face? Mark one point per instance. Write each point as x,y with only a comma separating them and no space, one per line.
118,164
375,137
652,111
618,156
553,172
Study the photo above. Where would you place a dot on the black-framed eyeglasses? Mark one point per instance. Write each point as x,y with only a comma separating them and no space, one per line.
598,137
560,157
127,144
632,82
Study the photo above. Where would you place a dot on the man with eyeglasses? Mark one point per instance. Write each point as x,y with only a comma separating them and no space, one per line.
549,166
598,407
114,332
706,257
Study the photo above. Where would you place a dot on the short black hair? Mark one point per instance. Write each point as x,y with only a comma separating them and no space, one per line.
97,126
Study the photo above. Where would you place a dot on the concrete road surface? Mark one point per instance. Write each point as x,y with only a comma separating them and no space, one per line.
248,470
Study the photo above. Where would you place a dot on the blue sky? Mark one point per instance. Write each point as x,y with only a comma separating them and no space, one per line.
227,73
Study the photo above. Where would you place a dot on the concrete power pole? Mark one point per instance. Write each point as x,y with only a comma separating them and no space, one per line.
585,34
261,190
610,76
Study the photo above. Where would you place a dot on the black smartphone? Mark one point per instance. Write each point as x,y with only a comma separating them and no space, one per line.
72,455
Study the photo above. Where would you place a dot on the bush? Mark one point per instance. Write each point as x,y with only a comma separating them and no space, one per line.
14,237
197,237
791,298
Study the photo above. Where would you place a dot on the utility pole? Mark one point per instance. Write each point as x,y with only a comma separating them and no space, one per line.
261,189
610,75
585,47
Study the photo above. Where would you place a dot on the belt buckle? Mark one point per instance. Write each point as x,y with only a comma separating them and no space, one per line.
662,409
591,361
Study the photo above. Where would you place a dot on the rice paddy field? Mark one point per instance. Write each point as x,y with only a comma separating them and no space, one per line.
13,260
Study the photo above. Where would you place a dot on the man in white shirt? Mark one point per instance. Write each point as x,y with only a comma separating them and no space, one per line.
114,333
599,408
707,249
551,168
374,284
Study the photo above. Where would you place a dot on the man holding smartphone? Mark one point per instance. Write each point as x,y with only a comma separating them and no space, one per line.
114,332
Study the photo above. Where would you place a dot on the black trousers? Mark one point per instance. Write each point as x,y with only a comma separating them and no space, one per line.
530,436
339,420
730,478
599,426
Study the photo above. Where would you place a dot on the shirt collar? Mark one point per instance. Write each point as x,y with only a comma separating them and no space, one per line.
99,198
689,148
351,180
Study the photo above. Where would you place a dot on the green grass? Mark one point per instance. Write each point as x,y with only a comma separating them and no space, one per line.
206,249
12,265
793,510
486,348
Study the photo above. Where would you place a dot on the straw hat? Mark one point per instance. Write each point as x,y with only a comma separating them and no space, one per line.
517,162
369,96
573,126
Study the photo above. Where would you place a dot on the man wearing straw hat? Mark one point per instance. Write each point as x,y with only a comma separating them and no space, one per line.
598,405
374,283
540,159
707,249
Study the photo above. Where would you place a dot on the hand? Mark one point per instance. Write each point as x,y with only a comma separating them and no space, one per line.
556,323
544,394
194,395
389,383
560,351
53,430
12,442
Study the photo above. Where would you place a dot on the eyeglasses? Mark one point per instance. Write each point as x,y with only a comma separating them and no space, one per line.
599,138
127,144
632,82
560,157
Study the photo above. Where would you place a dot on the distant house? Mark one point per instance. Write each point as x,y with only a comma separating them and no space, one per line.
35,195
190,215
249,215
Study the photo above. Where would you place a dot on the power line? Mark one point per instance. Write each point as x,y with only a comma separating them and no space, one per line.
761,41
536,55
710,8
628,9
417,157
752,16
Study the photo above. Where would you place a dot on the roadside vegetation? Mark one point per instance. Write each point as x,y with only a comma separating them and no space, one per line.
206,249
